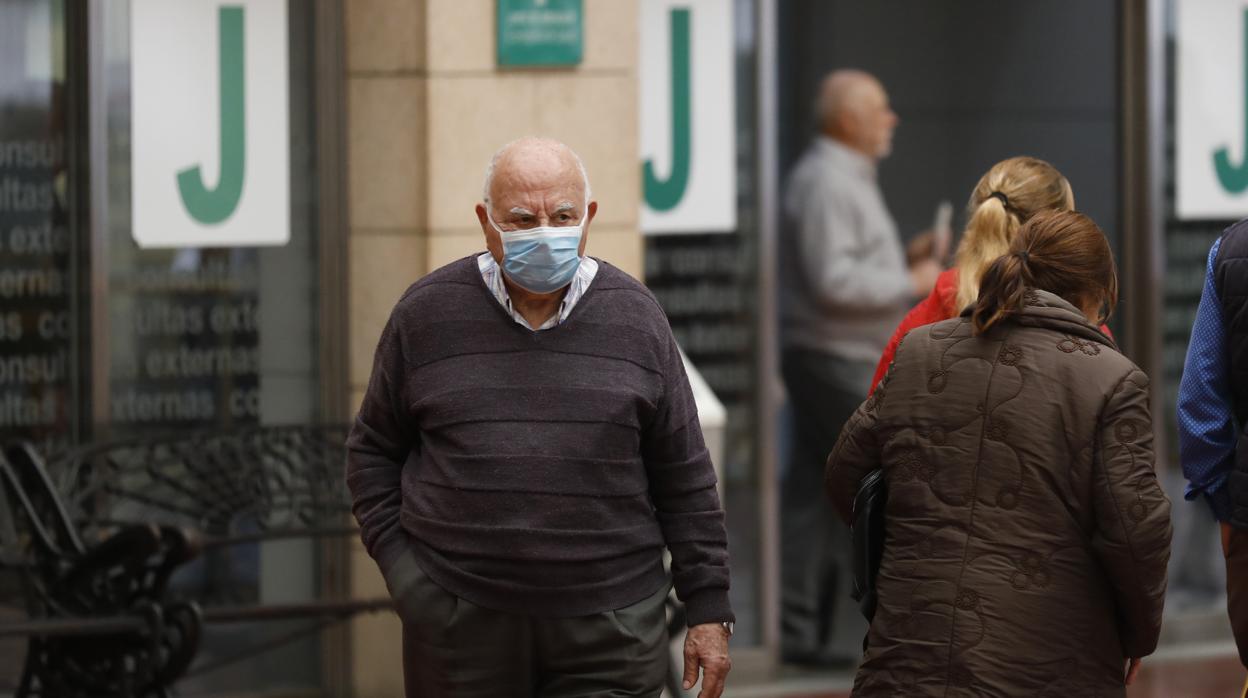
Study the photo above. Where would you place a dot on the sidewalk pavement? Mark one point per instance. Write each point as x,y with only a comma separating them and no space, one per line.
1209,671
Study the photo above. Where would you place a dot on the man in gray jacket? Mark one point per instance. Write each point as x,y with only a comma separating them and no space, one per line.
844,286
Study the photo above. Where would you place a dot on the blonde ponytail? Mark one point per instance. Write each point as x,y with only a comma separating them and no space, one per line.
1010,193
987,236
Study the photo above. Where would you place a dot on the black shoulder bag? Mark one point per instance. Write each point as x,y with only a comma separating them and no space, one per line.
868,537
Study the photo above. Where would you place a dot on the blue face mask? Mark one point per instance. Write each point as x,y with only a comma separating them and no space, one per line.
541,260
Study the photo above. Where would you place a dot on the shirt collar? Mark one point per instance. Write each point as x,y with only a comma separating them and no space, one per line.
493,277
846,157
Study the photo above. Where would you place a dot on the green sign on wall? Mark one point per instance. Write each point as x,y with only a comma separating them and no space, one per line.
540,33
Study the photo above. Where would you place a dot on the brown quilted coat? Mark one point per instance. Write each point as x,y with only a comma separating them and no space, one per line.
1027,536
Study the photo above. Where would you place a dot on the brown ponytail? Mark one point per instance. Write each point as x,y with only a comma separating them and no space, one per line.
1062,252
1001,291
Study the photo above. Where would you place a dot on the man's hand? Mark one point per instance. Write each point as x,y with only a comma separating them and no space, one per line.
927,245
1133,669
706,646
923,276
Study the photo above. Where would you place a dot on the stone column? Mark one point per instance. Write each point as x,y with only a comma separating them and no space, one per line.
426,107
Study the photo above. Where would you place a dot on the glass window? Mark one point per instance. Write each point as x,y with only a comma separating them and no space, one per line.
1196,569
37,249
708,286
38,293
222,338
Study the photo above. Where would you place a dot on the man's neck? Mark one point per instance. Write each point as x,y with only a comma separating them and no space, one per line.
535,308
858,150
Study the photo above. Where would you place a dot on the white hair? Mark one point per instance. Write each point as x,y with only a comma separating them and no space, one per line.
498,154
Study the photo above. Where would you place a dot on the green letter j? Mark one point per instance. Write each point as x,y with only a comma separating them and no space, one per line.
664,194
210,206
1234,178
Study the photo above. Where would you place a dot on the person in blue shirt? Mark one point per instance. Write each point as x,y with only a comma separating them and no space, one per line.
1213,411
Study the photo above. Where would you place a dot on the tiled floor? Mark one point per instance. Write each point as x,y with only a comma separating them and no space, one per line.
1200,678
1211,677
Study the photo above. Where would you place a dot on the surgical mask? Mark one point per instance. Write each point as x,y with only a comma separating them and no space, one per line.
541,260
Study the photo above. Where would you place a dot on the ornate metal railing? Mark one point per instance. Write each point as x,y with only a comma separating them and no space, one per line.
90,541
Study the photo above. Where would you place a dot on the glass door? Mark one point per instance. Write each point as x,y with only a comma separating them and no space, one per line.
39,342
707,283
40,345
217,337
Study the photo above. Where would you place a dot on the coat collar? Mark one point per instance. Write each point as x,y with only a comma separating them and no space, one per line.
1051,311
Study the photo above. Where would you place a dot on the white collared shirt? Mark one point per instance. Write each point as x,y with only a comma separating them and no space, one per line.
493,277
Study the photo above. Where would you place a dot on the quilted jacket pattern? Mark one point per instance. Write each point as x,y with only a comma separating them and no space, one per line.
1027,536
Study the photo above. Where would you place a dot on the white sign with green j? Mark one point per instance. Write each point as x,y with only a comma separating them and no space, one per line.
1211,118
210,141
688,125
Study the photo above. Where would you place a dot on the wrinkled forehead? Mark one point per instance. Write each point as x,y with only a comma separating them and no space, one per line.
537,184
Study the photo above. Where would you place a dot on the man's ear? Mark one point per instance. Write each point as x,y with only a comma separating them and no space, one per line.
590,212
847,122
493,241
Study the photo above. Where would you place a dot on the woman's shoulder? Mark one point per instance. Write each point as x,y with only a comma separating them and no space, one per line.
946,290
937,305
932,336
1081,356
1064,352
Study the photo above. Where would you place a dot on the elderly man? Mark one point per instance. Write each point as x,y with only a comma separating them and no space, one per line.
527,447
844,287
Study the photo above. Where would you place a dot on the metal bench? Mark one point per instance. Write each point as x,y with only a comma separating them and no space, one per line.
90,540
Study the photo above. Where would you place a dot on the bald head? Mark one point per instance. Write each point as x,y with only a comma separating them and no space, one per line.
853,108
532,157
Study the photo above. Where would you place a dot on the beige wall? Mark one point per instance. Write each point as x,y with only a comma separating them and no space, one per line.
426,107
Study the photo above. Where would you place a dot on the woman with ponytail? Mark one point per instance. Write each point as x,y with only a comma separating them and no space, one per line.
1011,192
1027,536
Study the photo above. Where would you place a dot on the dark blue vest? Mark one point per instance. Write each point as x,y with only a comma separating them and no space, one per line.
1230,277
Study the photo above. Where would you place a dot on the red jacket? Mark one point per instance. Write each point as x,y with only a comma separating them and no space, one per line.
939,305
